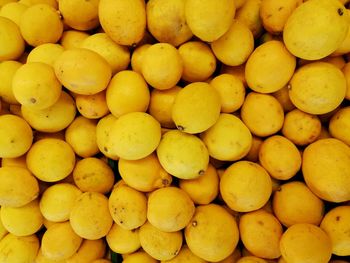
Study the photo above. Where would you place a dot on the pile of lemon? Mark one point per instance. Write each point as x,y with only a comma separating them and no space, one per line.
228,122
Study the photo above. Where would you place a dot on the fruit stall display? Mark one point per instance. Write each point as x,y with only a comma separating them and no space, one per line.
179,131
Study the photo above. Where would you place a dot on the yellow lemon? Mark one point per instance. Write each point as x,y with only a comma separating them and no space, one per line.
235,46
145,174
166,21
335,225
60,242
305,242
92,106
339,125
317,88
264,61
159,244
123,26
34,92
127,92
169,209
40,24
45,53
57,201
323,35
325,169
196,107
294,203
162,66
90,217
228,139
7,71
51,160
90,76
209,19
212,233
245,186
261,232
183,155
123,241
16,136
12,43
135,135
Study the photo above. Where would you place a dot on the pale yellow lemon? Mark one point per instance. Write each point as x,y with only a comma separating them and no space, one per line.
237,71
73,38
80,15
41,24
92,106
199,62
13,11
159,244
16,136
204,189
40,258
22,221
305,242
245,186
162,66
123,26
18,187
335,225
231,91
93,175
90,76
280,157
54,118
90,217
14,249
127,92
274,14
212,233
145,174
209,19
88,251
295,203
264,62
309,88
51,160
249,14
60,242
166,21
116,55
260,233
103,136
228,139
196,107
7,71
339,125
135,135
305,40
12,43
262,113
81,136
300,127
161,104
57,201
123,241
183,155
235,46
169,209
325,169
45,53
34,92
137,57
128,207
